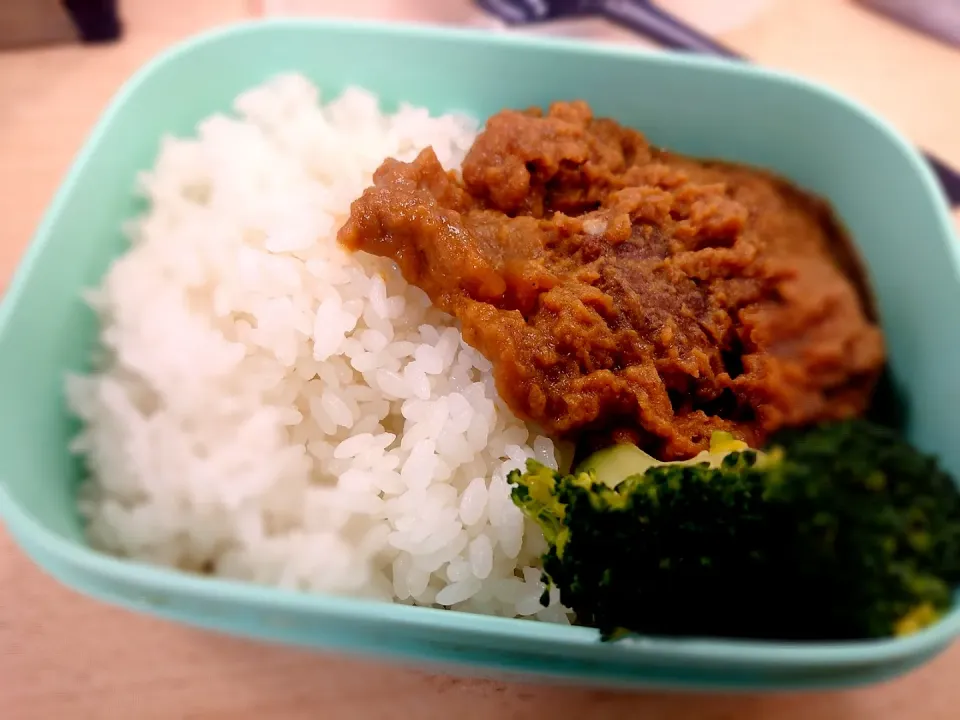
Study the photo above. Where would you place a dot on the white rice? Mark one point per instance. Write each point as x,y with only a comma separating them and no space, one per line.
267,407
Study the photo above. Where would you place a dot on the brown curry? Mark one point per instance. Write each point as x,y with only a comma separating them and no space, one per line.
622,291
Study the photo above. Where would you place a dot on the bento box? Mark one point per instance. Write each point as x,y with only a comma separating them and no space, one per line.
879,185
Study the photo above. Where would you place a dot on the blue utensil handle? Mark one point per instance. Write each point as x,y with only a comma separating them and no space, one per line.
647,19
948,177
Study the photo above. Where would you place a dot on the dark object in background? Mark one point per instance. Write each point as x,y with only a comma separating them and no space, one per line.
96,20
938,18
34,23
641,16
645,18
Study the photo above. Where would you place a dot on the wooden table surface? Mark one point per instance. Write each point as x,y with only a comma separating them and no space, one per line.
64,656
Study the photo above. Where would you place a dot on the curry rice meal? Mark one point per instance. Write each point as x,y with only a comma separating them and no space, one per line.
538,369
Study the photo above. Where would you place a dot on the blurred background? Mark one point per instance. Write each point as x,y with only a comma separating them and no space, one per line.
61,61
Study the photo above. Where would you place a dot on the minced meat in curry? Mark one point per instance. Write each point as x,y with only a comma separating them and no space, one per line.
623,291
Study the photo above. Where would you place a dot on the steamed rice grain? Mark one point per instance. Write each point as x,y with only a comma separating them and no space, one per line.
267,407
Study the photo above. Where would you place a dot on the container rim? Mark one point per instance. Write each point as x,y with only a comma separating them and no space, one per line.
27,529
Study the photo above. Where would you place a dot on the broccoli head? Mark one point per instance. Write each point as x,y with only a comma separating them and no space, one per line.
839,532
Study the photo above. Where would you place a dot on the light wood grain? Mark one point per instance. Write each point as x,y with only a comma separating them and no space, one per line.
64,656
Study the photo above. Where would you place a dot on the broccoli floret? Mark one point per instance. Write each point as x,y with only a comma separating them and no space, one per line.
839,532
877,520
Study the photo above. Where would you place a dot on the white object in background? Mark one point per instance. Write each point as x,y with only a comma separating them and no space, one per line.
715,17
447,12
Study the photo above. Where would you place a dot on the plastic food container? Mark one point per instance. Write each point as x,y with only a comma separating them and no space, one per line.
877,181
